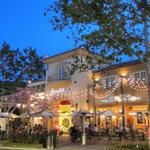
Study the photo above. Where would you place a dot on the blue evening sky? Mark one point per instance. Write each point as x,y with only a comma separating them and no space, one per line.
22,24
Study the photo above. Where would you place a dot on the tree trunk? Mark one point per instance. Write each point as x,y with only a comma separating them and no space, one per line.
147,67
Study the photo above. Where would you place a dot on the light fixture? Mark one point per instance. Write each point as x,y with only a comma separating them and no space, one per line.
18,105
29,81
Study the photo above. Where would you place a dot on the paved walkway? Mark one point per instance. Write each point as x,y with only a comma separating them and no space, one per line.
80,147
67,147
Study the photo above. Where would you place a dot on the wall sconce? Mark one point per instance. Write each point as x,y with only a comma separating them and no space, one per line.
18,105
29,82
93,77
32,105
76,106
23,106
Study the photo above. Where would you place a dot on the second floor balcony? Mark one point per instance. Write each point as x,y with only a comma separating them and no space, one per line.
59,77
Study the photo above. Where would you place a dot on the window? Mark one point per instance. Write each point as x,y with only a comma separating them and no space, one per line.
140,76
137,76
110,82
140,119
143,76
61,72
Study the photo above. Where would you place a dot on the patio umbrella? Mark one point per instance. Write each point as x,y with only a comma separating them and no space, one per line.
43,114
97,113
81,114
8,115
108,113
12,115
25,115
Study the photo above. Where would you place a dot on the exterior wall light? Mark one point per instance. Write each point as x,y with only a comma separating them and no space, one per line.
18,105
32,105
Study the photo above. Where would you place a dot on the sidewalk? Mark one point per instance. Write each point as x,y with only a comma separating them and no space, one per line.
80,147
67,147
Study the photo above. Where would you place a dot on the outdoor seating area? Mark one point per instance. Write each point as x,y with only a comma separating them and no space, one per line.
97,134
38,134
28,134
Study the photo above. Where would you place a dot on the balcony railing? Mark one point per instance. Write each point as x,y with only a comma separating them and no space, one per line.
58,77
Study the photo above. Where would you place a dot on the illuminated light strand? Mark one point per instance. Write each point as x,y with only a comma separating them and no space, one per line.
137,86
107,93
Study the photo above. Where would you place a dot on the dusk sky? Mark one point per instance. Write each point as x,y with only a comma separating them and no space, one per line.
22,24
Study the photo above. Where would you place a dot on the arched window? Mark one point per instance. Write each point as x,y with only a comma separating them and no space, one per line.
61,72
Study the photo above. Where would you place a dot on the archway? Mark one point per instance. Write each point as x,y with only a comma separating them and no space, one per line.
63,120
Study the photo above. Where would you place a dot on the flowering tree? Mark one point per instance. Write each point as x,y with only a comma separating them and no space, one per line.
27,99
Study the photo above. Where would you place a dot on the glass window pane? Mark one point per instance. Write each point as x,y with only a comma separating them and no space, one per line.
61,73
137,76
112,81
143,76
108,83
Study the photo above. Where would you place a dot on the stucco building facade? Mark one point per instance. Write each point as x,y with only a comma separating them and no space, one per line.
117,87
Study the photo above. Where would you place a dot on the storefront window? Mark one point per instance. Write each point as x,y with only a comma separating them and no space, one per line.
140,119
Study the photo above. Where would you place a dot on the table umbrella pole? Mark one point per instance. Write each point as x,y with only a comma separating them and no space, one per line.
84,134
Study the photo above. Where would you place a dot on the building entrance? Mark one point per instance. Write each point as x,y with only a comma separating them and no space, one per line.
63,121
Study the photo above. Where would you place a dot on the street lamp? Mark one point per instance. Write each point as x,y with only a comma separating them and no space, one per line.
29,82
84,133
94,106
122,104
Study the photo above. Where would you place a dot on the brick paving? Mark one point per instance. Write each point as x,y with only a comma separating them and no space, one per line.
64,143
64,147
80,147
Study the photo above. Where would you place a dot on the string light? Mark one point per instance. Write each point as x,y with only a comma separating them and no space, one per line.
137,85
107,93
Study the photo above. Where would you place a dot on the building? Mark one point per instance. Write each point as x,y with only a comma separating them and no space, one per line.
110,94
122,86
68,93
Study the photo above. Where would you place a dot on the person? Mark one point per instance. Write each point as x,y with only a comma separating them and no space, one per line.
43,137
73,133
0,133
96,128
53,137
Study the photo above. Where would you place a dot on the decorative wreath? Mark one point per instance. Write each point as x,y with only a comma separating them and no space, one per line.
65,122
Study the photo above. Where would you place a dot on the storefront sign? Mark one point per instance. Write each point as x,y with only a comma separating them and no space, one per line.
118,99
60,91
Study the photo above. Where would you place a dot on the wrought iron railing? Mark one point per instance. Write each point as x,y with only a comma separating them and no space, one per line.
58,77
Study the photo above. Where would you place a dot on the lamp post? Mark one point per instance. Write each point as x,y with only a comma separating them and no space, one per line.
122,105
84,133
94,106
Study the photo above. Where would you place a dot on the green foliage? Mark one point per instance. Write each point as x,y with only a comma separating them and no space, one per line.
7,87
110,28
18,67
130,147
